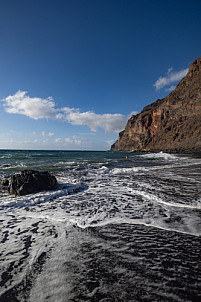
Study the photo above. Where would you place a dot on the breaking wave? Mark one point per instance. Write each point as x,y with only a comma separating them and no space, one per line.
110,227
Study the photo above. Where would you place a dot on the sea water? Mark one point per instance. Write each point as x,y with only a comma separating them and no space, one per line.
113,229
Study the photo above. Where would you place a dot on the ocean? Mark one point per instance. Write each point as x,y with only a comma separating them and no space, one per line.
113,229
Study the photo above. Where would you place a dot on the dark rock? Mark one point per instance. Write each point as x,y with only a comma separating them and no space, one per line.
4,182
30,181
172,124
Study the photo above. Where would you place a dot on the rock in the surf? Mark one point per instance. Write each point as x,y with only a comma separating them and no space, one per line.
4,182
30,181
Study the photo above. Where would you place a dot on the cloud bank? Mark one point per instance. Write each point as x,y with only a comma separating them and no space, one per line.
68,143
38,108
170,78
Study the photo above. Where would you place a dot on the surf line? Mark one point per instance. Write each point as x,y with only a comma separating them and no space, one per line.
156,199
130,222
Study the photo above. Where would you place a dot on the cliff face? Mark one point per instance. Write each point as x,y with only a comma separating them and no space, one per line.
172,124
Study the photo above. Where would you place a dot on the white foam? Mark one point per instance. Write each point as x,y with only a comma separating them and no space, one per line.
111,197
65,163
8,167
120,220
10,202
129,170
154,198
160,155
127,206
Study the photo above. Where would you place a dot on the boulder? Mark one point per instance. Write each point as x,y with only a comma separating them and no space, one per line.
4,182
30,181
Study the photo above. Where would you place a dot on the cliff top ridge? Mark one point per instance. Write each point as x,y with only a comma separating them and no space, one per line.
195,67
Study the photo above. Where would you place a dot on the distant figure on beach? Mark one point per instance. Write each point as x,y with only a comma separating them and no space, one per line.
126,156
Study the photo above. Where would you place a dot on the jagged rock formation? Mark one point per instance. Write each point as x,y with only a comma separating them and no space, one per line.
29,181
172,124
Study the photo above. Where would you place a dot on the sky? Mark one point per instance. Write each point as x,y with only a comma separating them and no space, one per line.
72,72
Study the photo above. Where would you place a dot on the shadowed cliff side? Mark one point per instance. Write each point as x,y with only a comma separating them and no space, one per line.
172,124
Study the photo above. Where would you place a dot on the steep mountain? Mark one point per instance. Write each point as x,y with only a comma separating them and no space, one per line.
172,124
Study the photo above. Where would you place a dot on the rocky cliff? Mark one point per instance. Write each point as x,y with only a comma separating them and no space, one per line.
172,124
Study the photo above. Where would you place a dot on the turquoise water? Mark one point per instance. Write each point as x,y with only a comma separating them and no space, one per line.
113,229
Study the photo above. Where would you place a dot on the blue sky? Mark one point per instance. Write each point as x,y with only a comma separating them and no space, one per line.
72,72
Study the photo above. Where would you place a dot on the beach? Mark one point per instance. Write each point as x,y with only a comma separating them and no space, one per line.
119,226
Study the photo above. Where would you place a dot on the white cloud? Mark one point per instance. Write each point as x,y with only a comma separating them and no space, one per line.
169,70
37,108
74,142
69,143
132,113
43,133
171,88
171,77
108,122
50,134
58,140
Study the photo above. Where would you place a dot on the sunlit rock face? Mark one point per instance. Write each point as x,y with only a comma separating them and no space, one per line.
172,124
